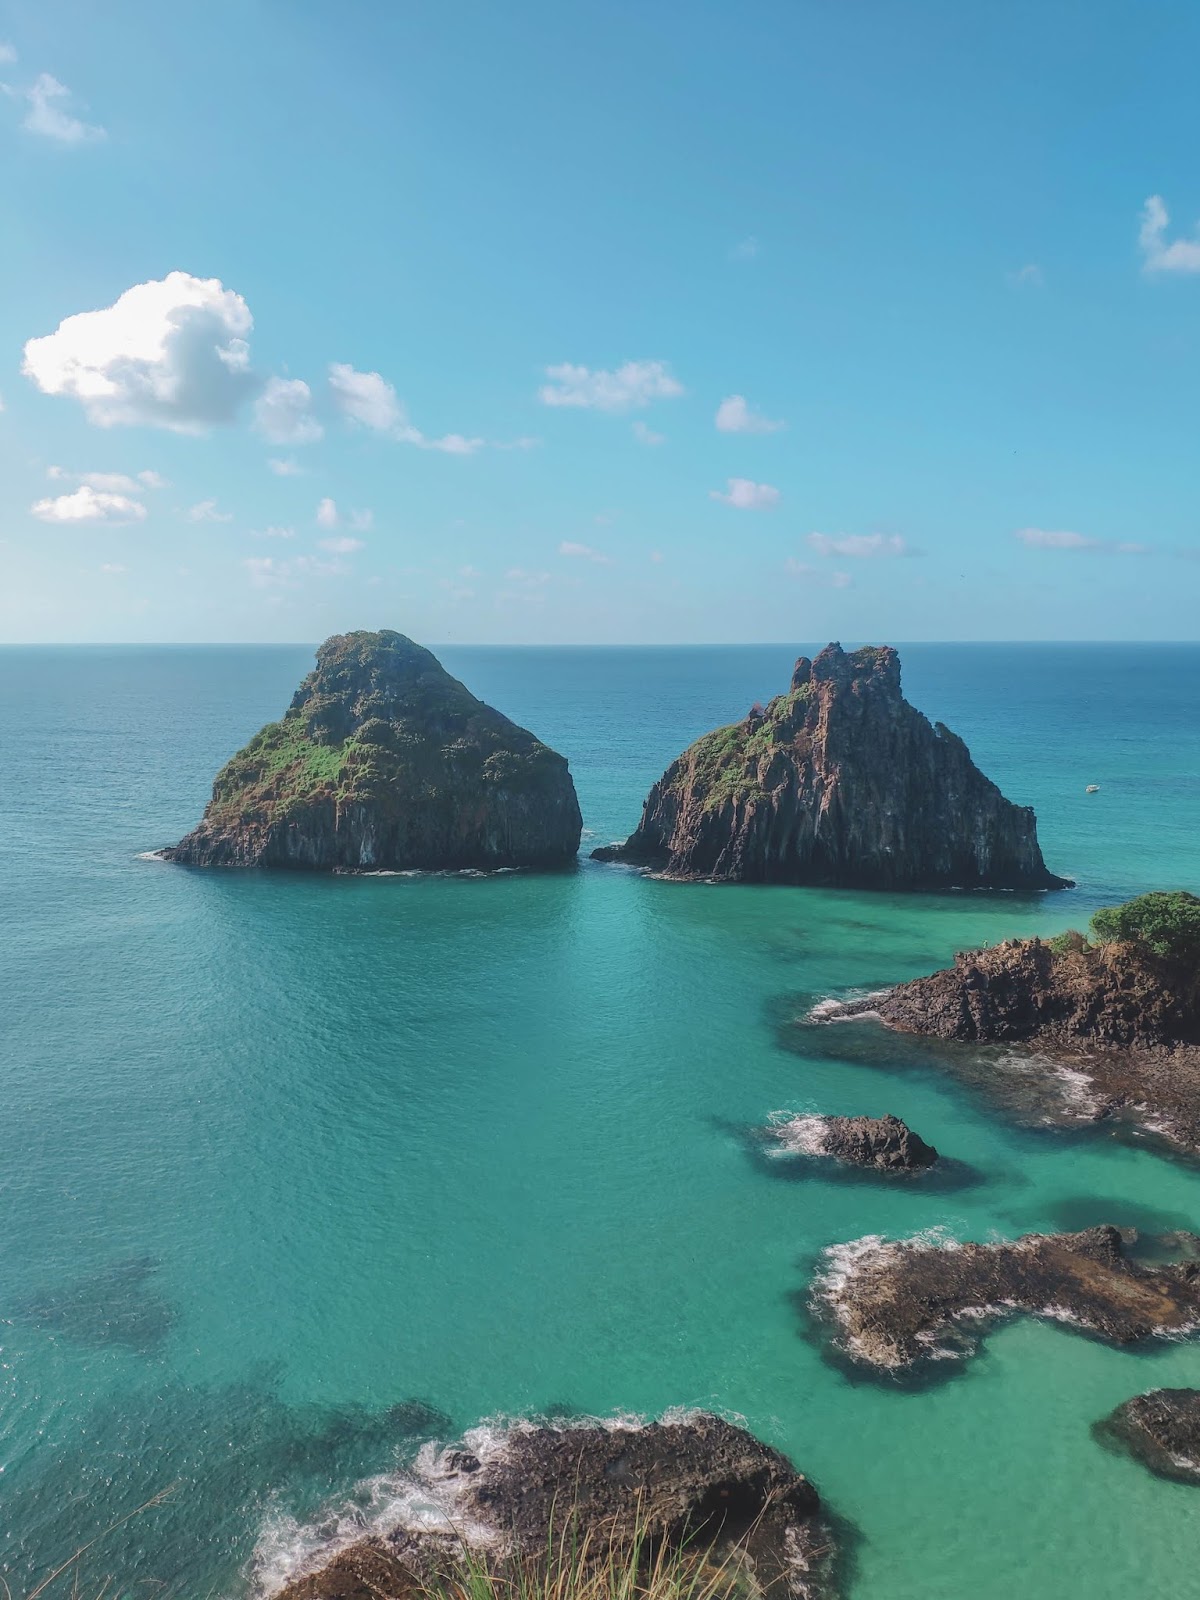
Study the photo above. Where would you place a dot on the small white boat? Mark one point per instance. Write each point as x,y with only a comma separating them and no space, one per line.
1092,788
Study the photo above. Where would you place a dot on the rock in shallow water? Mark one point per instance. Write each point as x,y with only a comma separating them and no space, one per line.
840,782
385,762
896,1303
1162,1430
884,1143
701,1481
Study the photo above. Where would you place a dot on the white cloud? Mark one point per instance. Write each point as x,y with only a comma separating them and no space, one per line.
270,572
1052,539
862,546
584,552
633,385
365,397
819,577
342,546
327,513
206,511
523,576
284,412
746,495
285,469
1182,255
169,353
735,416
114,482
746,250
152,480
89,505
274,532
645,435
7,54
1028,276
112,567
50,116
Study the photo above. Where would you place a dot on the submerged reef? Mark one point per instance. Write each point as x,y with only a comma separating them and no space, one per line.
894,1304
507,1497
838,782
1161,1430
383,761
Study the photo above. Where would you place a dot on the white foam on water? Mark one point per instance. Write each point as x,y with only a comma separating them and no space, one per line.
151,855
802,1135
833,1008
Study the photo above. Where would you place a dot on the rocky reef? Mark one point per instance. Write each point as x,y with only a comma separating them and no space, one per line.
884,1144
837,782
502,1497
1161,1430
383,761
1122,1015
896,1303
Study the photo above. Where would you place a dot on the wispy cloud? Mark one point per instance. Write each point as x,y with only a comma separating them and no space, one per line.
271,572
327,513
285,467
342,546
50,114
113,482
746,249
1181,255
274,532
284,412
368,399
1030,276
208,511
1065,539
819,577
647,435
629,387
746,495
87,504
584,552
861,546
735,416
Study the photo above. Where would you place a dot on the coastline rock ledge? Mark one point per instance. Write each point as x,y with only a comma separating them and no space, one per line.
384,761
839,783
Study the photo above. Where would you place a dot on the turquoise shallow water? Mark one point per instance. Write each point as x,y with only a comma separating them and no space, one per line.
282,1154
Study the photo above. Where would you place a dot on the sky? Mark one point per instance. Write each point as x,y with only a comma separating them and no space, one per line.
653,322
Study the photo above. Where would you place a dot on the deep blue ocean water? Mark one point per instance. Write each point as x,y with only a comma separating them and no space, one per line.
298,1171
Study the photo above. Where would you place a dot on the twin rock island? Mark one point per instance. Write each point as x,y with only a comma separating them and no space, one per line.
384,762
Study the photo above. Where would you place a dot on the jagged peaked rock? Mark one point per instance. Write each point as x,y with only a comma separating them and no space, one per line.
838,782
384,761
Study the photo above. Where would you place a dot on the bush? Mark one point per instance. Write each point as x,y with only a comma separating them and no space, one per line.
1166,923
1070,943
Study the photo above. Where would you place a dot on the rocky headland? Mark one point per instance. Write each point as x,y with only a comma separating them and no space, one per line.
504,1499
837,782
1121,1011
383,761
1161,1430
881,1144
894,1304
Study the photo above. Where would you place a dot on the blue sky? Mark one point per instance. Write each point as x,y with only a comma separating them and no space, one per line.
594,323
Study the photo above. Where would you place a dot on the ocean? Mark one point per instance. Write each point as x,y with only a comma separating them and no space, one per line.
298,1172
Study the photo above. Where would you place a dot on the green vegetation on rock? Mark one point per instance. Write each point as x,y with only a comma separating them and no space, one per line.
1164,922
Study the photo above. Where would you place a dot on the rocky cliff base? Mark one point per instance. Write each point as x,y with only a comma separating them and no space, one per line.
1115,1029
1161,1430
881,1144
502,1496
896,1304
839,782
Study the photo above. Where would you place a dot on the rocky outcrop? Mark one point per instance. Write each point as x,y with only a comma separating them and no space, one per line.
1161,1430
1118,1016
384,761
897,1303
884,1144
838,782
699,1482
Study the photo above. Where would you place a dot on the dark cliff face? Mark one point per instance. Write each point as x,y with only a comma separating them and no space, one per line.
384,761
838,782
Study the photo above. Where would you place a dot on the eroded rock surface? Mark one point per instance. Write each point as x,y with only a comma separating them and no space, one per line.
883,1143
384,761
699,1480
1162,1430
896,1303
840,781
1123,1021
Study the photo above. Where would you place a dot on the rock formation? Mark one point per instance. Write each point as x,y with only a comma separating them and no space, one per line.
883,1143
896,1303
384,761
700,1482
1161,1429
840,782
1120,1016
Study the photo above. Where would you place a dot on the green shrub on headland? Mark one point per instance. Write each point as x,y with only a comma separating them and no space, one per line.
1166,923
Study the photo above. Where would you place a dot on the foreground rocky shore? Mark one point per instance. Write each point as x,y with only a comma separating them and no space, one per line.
1122,1014
383,761
837,782
504,1498
894,1304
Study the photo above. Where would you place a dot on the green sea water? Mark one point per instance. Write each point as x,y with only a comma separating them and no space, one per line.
283,1156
